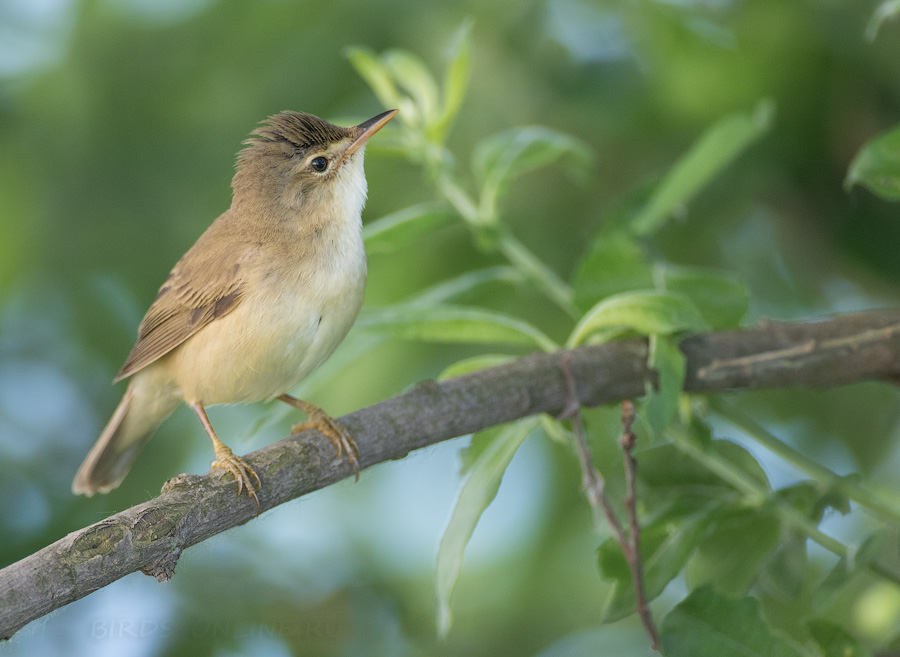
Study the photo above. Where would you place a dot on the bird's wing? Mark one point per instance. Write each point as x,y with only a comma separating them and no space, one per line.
206,284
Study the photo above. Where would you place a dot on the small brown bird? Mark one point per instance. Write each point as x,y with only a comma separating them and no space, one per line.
259,302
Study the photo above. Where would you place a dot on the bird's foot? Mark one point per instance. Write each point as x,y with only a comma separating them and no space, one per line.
330,428
243,473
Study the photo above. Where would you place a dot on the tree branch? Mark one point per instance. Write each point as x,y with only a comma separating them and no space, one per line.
150,536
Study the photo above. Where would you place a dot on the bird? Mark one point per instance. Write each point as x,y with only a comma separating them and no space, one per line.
261,299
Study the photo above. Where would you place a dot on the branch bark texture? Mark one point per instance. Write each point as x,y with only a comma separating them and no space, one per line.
150,537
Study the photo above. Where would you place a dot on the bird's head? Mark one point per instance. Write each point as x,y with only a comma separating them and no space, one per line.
301,161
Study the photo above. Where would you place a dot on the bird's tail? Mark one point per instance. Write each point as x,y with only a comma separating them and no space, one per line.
125,435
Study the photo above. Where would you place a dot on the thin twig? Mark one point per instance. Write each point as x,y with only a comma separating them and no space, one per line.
593,487
591,478
636,562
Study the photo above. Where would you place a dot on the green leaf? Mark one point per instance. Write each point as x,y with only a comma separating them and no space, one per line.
699,433
662,403
404,227
373,70
646,312
478,445
877,605
411,74
467,365
456,80
786,574
511,153
877,166
465,283
707,625
477,493
666,545
714,151
454,324
555,430
812,500
502,157
886,10
721,297
732,554
850,568
834,640
616,263
670,470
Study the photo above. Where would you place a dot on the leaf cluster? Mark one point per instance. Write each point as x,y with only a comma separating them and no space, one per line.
711,517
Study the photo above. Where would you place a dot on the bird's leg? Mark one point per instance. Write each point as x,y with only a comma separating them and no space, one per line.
225,458
329,427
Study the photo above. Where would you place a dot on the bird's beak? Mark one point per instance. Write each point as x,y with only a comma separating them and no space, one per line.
368,128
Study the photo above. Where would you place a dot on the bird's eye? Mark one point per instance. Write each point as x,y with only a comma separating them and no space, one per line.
319,163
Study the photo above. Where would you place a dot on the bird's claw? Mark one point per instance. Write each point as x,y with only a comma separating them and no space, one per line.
243,473
330,428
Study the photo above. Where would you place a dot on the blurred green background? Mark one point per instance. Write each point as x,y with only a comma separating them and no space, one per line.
119,122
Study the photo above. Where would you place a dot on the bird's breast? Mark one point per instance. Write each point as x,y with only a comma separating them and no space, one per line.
294,315
319,310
